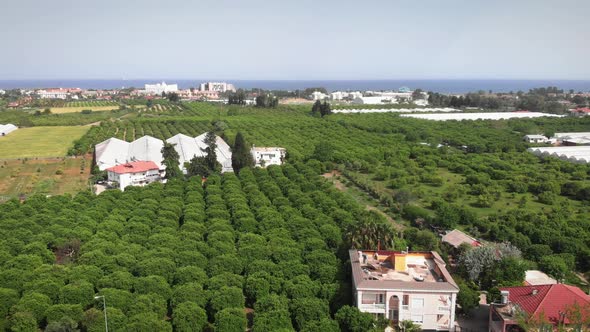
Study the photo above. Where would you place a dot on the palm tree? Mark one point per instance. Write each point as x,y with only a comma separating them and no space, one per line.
371,232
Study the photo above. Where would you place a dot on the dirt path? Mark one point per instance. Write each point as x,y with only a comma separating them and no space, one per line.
332,176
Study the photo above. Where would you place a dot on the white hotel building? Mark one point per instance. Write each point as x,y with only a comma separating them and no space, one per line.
402,286
157,89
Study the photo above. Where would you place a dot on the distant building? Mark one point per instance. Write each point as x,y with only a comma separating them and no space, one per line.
53,93
551,303
340,95
318,95
421,102
218,87
456,238
137,173
2,92
266,156
159,88
582,111
535,139
205,94
573,139
402,286
374,100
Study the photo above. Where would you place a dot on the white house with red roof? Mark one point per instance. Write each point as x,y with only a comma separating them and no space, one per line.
137,173
548,305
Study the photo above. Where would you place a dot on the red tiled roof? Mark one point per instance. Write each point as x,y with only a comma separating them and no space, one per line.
582,110
133,167
549,300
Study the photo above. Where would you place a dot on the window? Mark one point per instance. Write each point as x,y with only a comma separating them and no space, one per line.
418,319
406,300
417,303
380,298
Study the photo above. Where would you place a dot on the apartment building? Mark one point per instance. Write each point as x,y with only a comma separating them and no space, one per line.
402,286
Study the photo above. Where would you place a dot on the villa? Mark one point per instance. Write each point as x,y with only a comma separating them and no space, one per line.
402,285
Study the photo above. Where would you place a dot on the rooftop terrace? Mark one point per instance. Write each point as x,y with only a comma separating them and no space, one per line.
393,269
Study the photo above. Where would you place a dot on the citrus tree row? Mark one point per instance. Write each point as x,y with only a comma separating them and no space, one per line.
268,245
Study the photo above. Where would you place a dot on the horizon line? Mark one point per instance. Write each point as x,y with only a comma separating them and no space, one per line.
297,80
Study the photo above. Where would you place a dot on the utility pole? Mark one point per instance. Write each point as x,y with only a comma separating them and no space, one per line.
104,304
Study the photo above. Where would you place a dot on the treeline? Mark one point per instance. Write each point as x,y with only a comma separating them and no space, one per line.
469,100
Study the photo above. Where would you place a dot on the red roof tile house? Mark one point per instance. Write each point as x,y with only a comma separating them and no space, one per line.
137,173
540,308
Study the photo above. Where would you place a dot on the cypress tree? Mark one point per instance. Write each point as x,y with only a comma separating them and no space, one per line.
171,162
241,156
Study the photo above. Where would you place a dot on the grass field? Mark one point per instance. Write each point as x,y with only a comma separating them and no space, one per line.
62,110
39,142
88,103
43,176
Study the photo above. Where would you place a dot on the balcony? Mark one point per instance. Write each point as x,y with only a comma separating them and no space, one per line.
372,307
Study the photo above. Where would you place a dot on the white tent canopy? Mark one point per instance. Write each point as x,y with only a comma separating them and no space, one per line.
7,128
114,151
188,147
575,154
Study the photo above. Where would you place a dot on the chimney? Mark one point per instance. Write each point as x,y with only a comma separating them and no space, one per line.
504,294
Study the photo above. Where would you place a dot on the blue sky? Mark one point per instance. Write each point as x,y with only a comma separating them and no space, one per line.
292,40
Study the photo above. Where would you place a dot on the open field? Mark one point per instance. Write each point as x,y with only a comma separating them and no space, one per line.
62,110
39,142
91,103
54,176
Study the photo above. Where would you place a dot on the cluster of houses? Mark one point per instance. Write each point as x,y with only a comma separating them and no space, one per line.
571,147
207,90
403,94
6,129
140,162
560,139
416,286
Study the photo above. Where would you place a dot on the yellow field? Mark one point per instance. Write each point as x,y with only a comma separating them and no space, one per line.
39,142
62,110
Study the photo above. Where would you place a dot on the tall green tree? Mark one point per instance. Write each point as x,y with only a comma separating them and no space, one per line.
198,166
316,108
241,156
171,162
325,109
211,157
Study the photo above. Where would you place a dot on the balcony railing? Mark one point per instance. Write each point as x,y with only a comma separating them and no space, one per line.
372,306
405,307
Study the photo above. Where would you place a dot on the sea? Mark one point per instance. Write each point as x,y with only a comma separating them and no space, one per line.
440,85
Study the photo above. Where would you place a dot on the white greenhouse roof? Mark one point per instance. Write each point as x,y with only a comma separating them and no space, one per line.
187,147
572,135
397,110
114,152
575,154
7,128
479,116
223,151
